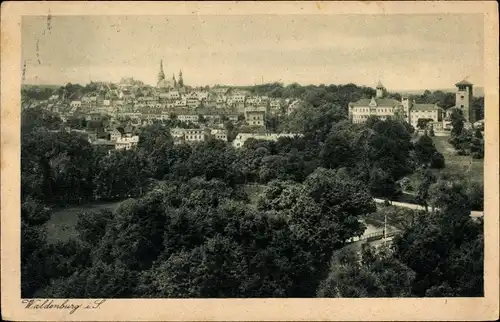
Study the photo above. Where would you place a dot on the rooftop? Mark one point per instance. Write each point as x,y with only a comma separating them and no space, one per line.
463,82
423,107
381,102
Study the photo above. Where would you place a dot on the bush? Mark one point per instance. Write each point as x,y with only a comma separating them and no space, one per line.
477,155
437,161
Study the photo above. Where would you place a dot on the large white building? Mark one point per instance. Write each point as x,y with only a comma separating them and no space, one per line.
385,108
379,106
187,135
127,142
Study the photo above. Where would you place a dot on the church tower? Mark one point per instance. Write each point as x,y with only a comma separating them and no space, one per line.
380,90
161,74
174,81
463,100
181,81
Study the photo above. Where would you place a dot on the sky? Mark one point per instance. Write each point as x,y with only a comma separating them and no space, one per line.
403,51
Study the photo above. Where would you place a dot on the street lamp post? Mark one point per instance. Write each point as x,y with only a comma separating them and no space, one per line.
385,229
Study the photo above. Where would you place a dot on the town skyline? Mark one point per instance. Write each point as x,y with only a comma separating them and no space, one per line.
402,51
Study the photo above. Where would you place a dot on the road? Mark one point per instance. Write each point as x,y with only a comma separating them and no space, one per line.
473,214
401,204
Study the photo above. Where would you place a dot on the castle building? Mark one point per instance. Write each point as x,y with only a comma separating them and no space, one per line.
463,100
385,108
379,106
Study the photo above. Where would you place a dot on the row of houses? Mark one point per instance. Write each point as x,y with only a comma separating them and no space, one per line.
183,136
126,138
176,98
253,115
190,101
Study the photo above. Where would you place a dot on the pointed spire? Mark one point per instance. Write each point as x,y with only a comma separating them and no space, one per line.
181,81
161,74
379,85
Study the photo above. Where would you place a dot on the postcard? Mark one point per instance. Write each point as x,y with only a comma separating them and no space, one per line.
224,161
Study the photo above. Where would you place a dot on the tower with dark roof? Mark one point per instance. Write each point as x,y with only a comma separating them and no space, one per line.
463,100
380,90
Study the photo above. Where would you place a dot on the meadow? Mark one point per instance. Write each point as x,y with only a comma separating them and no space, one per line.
458,165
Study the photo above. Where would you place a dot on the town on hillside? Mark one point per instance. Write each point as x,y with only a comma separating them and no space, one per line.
171,169
202,112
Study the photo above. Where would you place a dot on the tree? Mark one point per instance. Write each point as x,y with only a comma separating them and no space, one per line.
336,151
437,161
100,280
423,180
77,123
38,118
385,145
326,215
424,150
201,119
153,137
450,196
134,236
120,174
371,273
478,107
33,212
422,123
272,123
477,145
457,122
475,192
33,245
446,253
91,226
56,167
382,184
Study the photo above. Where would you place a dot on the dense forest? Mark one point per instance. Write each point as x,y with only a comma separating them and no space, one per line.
188,226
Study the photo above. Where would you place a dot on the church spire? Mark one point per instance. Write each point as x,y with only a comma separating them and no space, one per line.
173,79
181,81
161,74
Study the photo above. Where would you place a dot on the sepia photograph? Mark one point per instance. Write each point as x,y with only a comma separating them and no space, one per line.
251,156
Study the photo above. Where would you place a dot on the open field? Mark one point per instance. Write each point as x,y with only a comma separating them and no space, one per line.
458,165
61,226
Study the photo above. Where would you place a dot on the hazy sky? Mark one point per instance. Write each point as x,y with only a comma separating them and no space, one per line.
403,51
